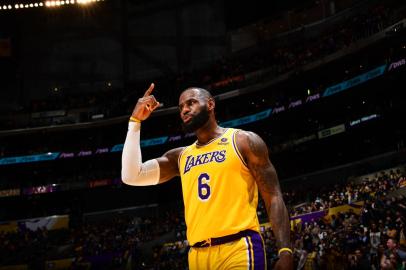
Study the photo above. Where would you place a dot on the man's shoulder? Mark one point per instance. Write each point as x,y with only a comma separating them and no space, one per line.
251,144
179,150
244,134
175,152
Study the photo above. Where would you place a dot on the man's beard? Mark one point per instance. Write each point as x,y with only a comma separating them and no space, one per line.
197,121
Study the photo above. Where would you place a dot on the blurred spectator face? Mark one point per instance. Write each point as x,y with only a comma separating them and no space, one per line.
391,244
358,253
393,260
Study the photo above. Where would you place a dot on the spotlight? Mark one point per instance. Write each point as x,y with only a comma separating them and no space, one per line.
46,3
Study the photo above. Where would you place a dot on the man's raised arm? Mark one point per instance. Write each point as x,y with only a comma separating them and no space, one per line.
133,170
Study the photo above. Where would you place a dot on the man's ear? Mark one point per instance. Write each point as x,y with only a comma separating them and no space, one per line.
211,104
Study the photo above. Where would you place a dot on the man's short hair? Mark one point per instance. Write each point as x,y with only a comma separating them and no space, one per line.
203,92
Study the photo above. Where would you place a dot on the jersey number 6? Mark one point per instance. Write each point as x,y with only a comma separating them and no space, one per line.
203,186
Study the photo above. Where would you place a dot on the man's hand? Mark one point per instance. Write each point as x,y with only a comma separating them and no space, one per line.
285,261
145,105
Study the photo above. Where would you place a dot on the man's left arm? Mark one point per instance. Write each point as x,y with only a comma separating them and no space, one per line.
255,153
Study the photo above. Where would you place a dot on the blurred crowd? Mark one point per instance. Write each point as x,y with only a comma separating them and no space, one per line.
343,194
371,238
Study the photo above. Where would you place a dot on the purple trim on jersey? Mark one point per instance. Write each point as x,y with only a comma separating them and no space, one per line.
249,253
236,148
259,253
180,156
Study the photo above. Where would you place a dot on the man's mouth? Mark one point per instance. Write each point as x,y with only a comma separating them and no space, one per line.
187,119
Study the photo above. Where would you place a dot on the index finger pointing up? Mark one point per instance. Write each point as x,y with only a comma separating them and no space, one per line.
149,91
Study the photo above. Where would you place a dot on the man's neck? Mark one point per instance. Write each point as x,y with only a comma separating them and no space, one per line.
208,132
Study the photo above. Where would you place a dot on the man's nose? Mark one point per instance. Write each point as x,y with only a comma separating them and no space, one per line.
185,110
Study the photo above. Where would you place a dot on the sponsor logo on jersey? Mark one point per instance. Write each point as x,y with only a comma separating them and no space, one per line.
223,141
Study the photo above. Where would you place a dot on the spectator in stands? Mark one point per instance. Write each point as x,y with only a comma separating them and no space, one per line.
402,181
375,239
358,261
393,257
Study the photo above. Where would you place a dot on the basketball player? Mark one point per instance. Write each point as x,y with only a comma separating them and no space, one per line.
221,174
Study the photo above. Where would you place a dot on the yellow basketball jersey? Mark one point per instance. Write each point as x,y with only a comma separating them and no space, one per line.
219,193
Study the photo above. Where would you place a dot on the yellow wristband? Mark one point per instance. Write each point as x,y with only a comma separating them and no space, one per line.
285,249
133,119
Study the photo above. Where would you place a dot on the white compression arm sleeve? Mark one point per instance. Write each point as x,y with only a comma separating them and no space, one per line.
133,171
